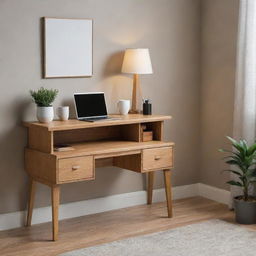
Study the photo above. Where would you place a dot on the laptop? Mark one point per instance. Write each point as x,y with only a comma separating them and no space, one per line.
91,107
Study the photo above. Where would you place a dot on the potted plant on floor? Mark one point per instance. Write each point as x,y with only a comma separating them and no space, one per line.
44,99
243,159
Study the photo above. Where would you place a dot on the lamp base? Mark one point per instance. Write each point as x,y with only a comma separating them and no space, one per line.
134,111
135,95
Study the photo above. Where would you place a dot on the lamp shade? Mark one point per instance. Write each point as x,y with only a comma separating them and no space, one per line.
137,61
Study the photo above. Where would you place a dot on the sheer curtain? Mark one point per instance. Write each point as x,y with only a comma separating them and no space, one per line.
245,90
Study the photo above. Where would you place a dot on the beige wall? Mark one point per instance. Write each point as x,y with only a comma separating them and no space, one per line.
218,59
170,28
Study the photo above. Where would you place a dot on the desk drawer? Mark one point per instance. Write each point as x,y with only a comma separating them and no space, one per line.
76,168
157,158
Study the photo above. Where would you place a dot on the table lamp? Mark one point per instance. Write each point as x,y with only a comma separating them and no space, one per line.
136,62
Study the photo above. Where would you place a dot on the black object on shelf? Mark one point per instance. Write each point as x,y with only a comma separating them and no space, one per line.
147,107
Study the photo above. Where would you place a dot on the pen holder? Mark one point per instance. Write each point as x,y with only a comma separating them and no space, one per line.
147,108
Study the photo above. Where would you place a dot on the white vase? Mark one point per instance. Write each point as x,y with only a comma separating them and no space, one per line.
45,114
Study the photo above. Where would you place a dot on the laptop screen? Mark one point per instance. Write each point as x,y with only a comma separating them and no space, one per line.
90,105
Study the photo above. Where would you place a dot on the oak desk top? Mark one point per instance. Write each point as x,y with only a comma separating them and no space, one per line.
76,124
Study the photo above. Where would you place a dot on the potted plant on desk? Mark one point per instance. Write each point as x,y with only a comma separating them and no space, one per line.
44,99
243,159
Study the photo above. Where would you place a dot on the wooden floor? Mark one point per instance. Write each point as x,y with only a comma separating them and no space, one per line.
109,226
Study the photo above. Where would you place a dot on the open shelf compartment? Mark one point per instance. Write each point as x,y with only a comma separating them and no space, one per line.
129,132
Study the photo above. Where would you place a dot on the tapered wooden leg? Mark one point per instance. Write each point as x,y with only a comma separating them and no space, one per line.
55,212
31,198
167,180
150,186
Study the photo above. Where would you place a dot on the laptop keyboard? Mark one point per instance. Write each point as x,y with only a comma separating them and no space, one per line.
94,119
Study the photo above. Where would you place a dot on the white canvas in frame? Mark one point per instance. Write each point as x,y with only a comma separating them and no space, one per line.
67,47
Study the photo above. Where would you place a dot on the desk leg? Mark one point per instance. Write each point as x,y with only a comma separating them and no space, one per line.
32,188
167,180
150,186
55,212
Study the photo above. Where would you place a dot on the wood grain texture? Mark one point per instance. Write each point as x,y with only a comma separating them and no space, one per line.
117,154
39,138
129,162
75,169
109,147
31,199
150,184
41,166
103,162
146,136
157,158
130,132
168,191
76,124
109,226
157,128
55,212
135,94
88,134
118,141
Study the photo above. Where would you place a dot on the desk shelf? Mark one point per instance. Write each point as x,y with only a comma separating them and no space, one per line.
104,149
43,137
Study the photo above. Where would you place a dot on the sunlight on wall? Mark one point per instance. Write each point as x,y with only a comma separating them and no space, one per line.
116,87
126,36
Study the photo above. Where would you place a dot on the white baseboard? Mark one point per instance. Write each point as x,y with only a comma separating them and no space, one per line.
213,193
86,207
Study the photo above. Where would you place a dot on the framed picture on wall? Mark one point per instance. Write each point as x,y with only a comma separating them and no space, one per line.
67,47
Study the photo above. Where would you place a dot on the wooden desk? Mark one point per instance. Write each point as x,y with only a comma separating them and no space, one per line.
103,143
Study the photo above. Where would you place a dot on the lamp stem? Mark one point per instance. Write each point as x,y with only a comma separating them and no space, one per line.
135,91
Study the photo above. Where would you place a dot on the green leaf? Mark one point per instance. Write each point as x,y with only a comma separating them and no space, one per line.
252,149
237,158
232,171
224,150
240,146
243,143
236,163
235,183
44,97
244,158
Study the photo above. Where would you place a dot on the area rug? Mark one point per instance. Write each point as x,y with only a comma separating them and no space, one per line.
209,238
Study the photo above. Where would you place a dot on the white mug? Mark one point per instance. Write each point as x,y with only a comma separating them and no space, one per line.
63,113
123,106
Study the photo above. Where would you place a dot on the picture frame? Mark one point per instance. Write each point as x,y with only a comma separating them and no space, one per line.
68,47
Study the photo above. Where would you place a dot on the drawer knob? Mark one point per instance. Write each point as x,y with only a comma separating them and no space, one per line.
75,167
157,157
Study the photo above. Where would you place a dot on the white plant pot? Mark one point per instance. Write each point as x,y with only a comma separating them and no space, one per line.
45,114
